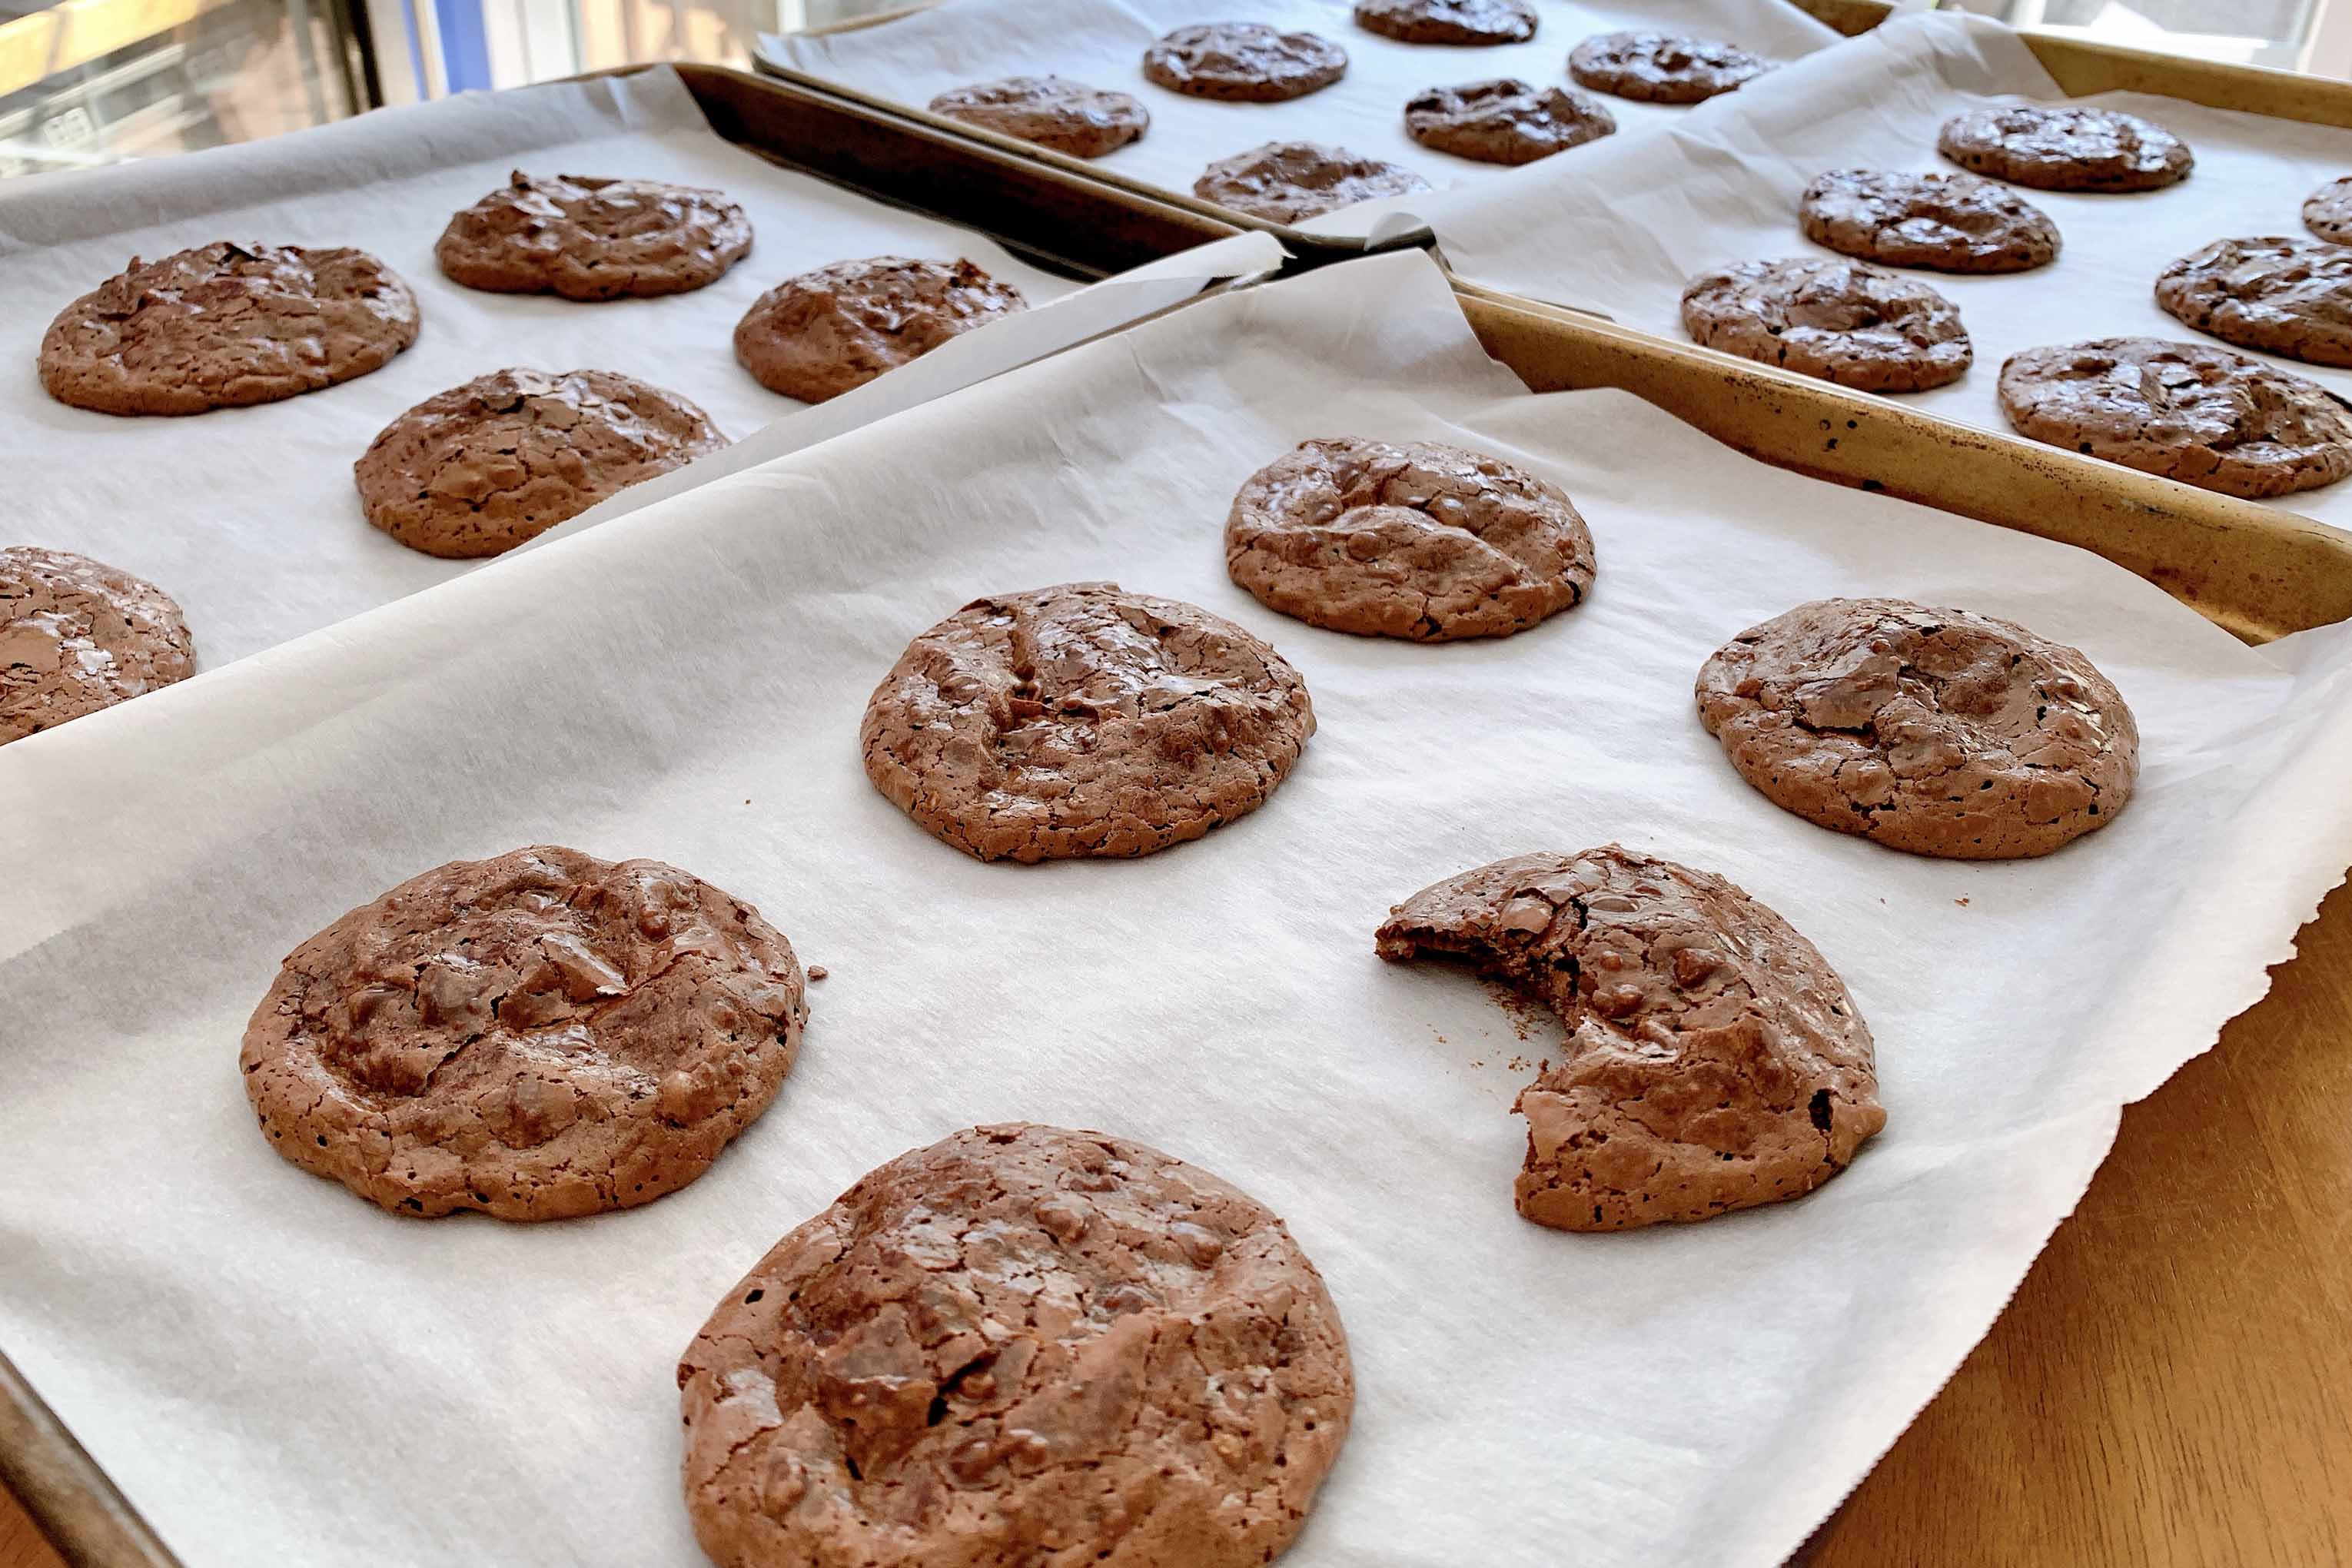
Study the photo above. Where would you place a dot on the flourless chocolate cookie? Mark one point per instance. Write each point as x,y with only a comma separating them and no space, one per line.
1244,62
481,468
2203,415
1715,1058
77,636
1021,1345
1660,67
1460,22
1065,116
539,1036
1083,720
2291,296
2065,148
1845,321
828,331
1938,731
224,326
1411,540
1951,222
2327,211
1290,182
1506,121
594,240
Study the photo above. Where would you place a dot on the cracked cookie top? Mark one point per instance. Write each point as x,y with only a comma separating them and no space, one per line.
481,468
1464,23
538,1036
1021,1344
1952,222
224,326
1715,1058
1083,720
1051,110
826,332
2204,415
1290,182
2055,149
1413,540
2291,296
1506,121
592,239
1244,62
1938,731
76,634
1662,68
1845,321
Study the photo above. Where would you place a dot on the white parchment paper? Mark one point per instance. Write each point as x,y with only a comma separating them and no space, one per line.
276,1371
1101,43
1621,232
248,517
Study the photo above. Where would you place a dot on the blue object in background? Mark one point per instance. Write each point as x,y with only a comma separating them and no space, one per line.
464,48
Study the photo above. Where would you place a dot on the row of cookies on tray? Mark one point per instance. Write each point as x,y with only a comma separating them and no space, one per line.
1502,120
2184,410
1715,1061
468,472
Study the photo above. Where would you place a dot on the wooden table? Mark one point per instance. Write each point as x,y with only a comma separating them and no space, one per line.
2173,1382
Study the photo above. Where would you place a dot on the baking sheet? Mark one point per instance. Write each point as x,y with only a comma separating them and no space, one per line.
1621,231
1101,43
248,517
275,1371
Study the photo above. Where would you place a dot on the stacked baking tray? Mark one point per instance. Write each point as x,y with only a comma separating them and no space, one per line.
1525,1394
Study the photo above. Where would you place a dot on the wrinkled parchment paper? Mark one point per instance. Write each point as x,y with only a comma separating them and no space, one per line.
276,1371
248,517
1101,43
1621,231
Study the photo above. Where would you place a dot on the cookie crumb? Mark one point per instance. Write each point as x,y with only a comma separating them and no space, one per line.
1962,902
818,970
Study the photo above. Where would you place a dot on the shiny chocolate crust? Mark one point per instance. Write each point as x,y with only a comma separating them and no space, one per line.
1065,116
1020,1346
593,239
539,1036
2204,415
1467,23
1661,68
224,326
1290,182
1506,121
2055,149
833,330
2291,296
1244,62
1938,731
77,636
1844,322
1951,222
1082,719
1413,539
1715,1058
481,468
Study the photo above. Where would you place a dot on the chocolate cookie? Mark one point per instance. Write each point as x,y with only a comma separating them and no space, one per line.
1020,1345
1506,121
2327,211
1082,719
77,636
224,326
539,1036
1290,182
827,332
2203,415
1715,1058
1660,67
1845,321
481,468
594,240
2065,148
1065,116
1952,222
1461,22
2291,296
1938,731
1244,62
1414,540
